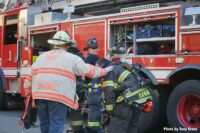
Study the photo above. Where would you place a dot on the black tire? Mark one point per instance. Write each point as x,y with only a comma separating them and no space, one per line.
180,92
149,120
2,99
2,91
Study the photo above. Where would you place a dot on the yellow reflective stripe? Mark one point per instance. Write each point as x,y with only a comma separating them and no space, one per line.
109,107
77,123
96,85
123,76
144,93
89,90
119,99
93,124
134,93
143,100
109,83
34,58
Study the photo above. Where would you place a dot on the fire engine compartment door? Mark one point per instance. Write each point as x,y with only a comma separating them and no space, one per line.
85,31
190,42
10,38
39,42
39,36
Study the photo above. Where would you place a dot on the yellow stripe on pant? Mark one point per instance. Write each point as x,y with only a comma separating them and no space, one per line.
77,123
93,124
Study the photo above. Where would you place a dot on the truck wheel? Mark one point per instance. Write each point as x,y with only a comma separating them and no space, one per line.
2,98
183,108
2,91
149,120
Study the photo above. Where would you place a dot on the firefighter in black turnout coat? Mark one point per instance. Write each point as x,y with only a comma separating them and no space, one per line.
94,97
122,98
76,117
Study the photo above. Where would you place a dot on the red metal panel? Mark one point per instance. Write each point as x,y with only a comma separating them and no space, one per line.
15,10
67,26
44,29
191,59
27,53
9,51
191,42
9,55
83,32
156,62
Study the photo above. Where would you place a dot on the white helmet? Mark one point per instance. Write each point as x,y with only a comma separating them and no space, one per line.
60,38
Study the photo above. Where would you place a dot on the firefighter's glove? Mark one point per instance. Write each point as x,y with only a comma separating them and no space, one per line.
108,69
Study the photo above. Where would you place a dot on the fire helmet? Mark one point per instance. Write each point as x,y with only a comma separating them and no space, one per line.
60,38
103,63
92,43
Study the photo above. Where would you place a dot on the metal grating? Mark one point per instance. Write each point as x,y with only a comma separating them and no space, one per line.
140,8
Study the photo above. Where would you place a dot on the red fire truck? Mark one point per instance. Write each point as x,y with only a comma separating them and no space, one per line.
162,39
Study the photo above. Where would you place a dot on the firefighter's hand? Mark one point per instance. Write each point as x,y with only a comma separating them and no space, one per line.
108,69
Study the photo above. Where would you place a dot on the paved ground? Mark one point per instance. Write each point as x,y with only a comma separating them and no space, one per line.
9,123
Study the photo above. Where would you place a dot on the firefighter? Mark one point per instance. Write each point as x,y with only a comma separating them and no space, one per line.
122,97
94,90
92,49
95,105
76,117
74,49
53,82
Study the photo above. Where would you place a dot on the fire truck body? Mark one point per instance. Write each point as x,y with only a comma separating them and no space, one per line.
12,28
130,36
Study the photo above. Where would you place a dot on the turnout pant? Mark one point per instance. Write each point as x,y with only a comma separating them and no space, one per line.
125,119
76,116
94,114
76,120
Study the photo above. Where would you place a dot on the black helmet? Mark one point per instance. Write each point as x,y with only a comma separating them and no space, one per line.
103,62
92,43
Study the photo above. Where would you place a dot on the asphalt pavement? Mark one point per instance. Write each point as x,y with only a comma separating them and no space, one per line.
9,123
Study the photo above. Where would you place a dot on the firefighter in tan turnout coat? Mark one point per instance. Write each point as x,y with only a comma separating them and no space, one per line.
53,82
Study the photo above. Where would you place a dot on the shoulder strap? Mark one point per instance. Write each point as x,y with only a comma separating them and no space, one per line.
135,69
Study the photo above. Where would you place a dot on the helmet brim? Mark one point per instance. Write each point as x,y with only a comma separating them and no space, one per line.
85,49
57,42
